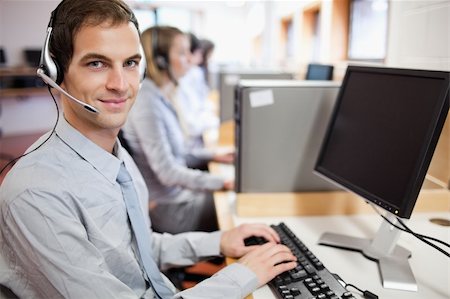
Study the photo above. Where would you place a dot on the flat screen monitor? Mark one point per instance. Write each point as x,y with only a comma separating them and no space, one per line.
32,57
319,72
379,144
2,57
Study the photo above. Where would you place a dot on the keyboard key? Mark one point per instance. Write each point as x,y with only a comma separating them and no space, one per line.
295,291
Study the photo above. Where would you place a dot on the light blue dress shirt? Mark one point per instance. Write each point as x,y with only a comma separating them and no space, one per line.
64,231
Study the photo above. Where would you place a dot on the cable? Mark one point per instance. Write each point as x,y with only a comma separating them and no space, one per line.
4,156
366,294
421,237
407,230
14,160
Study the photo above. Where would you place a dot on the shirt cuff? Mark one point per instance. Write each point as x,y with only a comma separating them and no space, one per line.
203,153
209,246
242,276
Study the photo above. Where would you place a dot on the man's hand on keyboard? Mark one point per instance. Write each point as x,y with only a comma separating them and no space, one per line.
269,260
232,243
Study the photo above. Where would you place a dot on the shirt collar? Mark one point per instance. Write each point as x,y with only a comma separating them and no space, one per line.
105,163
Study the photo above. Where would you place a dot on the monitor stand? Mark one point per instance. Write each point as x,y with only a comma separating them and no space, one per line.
392,259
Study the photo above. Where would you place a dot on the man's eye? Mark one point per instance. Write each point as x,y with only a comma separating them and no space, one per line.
131,63
95,64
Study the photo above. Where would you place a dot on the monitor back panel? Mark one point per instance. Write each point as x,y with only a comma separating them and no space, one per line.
279,129
228,81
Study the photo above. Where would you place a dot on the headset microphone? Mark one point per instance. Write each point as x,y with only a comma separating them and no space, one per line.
50,71
49,81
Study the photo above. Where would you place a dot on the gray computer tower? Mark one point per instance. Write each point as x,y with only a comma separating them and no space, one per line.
280,125
228,80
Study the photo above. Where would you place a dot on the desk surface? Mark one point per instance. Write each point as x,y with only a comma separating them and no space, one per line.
430,267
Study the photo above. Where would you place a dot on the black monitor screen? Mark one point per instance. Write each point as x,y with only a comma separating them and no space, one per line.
2,56
32,57
383,133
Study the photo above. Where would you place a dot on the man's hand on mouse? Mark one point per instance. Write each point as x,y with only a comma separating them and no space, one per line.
267,260
232,242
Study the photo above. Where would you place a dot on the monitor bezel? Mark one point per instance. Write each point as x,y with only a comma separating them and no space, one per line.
426,153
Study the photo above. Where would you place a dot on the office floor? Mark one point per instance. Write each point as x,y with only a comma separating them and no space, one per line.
11,147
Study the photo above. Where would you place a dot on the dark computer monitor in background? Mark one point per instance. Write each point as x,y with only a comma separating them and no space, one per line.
319,72
2,57
32,57
379,144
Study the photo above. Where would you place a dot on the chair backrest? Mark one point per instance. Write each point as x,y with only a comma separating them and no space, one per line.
6,293
5,276
125,143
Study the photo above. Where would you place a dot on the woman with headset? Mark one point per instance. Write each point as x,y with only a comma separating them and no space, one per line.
180,197
195,111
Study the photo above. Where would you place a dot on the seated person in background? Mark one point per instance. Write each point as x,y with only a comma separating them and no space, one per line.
194,109
73,211
207,47
180,197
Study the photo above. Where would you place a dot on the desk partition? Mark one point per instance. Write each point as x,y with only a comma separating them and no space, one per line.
279,127
228,79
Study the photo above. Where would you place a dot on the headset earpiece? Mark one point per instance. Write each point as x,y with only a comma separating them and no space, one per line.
47,64
160,60
142,64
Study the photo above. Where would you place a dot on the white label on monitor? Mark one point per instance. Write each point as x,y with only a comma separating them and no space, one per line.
261,98
231,79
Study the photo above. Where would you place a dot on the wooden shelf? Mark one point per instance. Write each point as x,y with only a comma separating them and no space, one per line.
18,72
22,92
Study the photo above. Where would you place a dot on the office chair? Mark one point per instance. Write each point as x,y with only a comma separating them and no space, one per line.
125,143
6,293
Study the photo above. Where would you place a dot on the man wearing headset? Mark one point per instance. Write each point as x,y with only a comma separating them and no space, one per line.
65,230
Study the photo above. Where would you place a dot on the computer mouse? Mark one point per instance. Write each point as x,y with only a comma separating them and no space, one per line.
254,240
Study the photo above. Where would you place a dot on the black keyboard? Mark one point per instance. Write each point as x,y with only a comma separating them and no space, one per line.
310,279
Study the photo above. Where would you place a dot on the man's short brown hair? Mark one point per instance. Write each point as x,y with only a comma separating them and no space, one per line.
70,15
